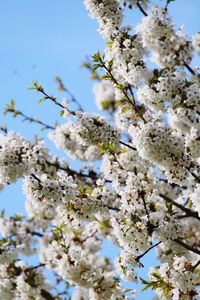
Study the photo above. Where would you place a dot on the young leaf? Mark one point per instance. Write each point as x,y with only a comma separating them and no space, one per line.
62,113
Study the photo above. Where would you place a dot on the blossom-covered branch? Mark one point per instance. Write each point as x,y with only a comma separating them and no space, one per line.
137,181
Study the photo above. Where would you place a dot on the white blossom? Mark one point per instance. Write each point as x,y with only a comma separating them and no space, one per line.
107,13
126,53
196,42
94,130
168,47
104,94
66,138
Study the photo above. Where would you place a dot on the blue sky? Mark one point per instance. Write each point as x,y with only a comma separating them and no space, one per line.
42,39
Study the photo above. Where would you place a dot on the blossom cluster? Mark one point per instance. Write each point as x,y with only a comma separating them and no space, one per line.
169,48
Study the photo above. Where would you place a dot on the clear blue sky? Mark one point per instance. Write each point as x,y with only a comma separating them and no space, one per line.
42,39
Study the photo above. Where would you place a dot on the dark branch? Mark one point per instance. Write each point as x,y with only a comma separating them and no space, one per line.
196,265
188,211
34,268
37,234
132,103
40,89
189,69
30,119
143,254
46,295
4,129
63,88
141,8
197,179
128,146
181,243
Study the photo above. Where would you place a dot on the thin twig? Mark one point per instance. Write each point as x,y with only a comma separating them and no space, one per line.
188,211
194,175
196,265
70,171
128,146
4,129
37,234
40,89
113,154
30,119
123,91
166,5
46,295
181,243
189,68
63,88
143,254
34,268
141,8
92,175
89,66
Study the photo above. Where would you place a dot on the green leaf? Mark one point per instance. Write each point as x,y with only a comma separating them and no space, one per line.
18,217
126,108
144,281
110,64
16,113
169,206
85,65
109,44
124,220
148,286
89,190
95,67
97,57
106,104
62,113
42,100
4,241
157,275
32,87
127,290
12,103
106,148
124,150
94,76
119,86
38,87
5,112
106,76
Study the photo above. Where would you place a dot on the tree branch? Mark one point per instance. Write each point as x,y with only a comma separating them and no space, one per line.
189,68
123,91
194,175
181,243
4,129
40,89
196,265
46,295
128,146
63,88
28,118
188,211
141,8
143,254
